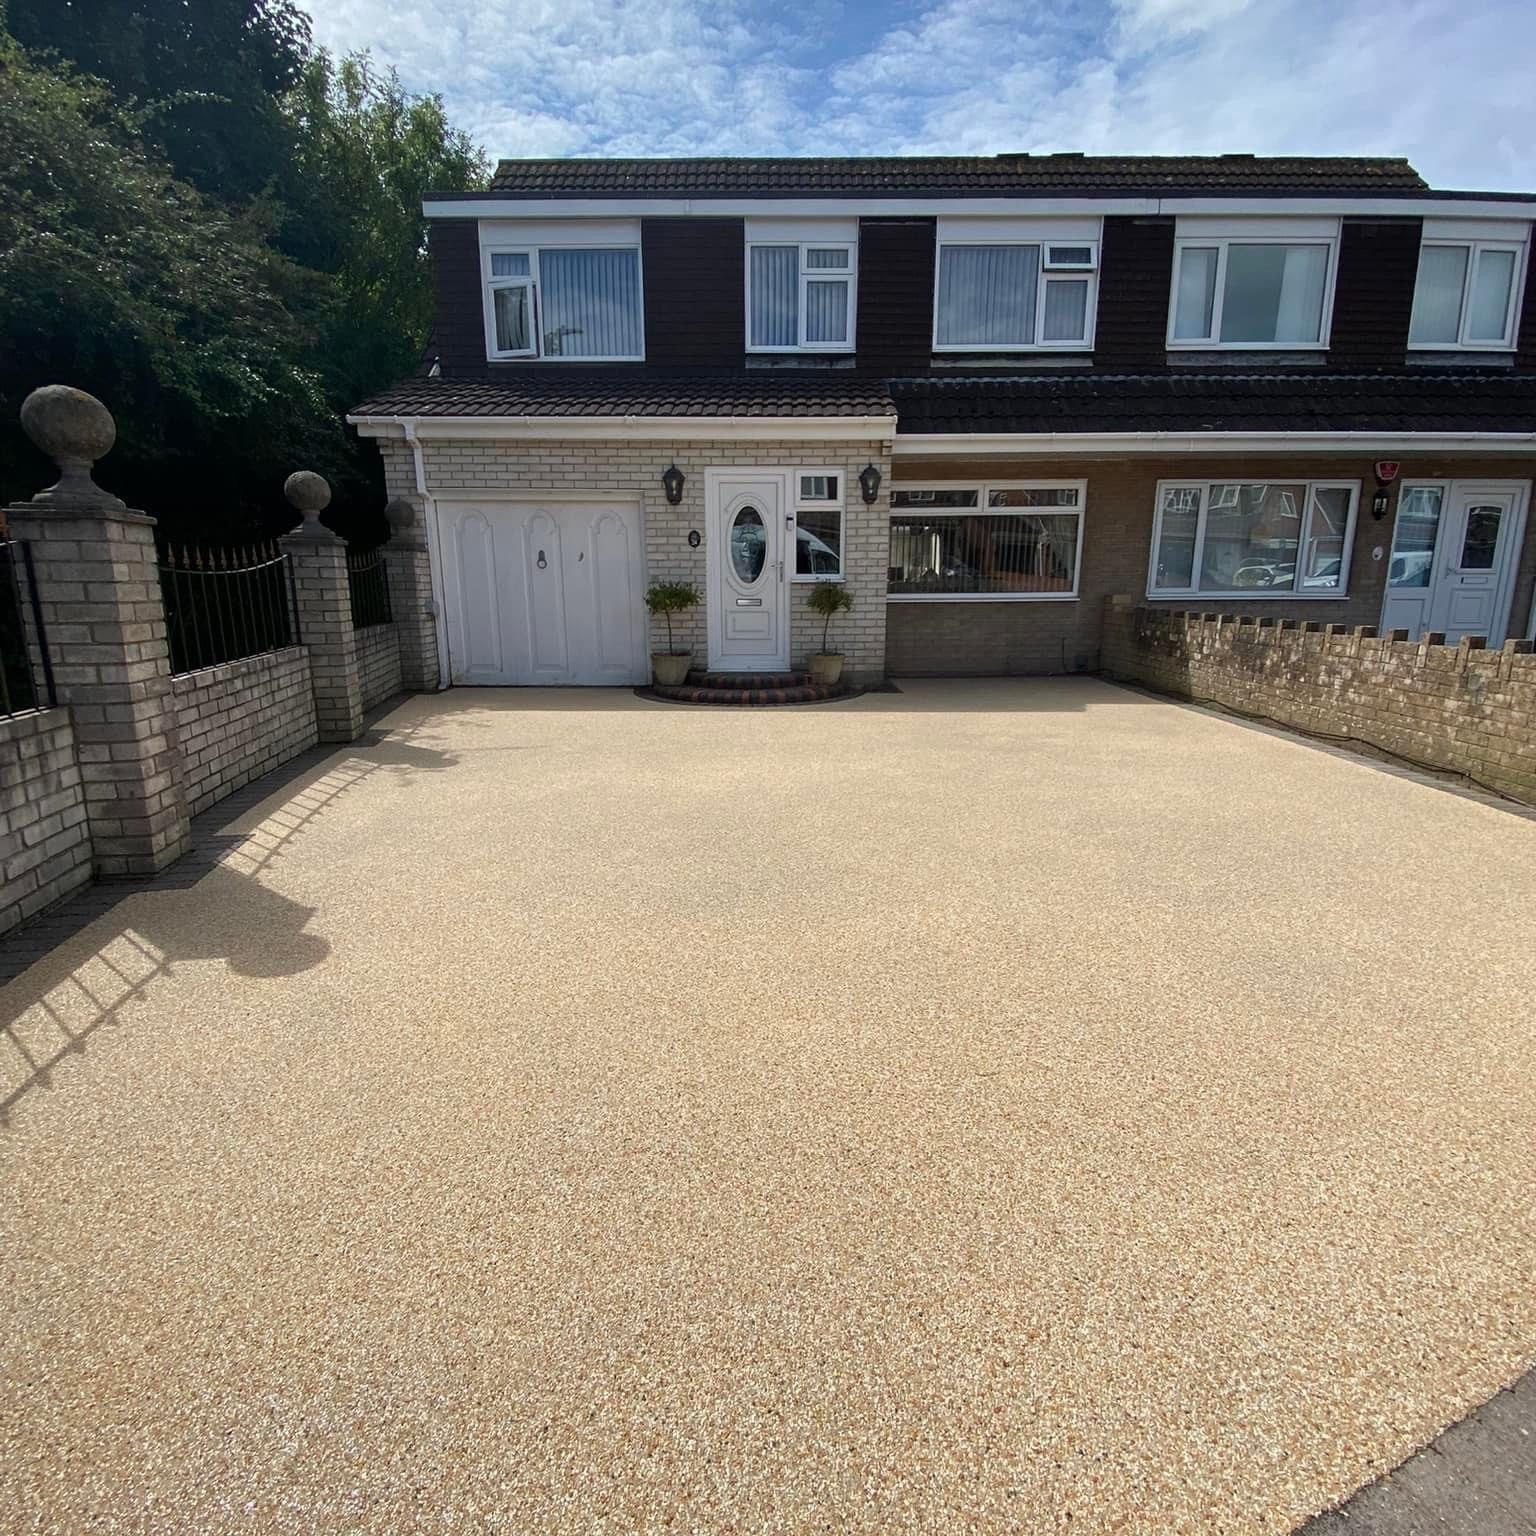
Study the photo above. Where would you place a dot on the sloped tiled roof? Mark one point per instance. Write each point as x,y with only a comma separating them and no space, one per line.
961,176
534,391
1446,401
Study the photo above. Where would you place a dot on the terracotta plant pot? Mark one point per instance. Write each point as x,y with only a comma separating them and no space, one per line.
670,669
826,667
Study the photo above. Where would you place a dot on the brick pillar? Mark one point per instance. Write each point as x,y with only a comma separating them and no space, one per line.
319,560
408,568
98,585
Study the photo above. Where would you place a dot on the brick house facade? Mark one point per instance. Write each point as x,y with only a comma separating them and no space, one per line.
1303,386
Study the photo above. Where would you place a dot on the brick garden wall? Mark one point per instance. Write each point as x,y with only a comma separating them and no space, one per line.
631,471
378,663
241,719
45,844
1461,708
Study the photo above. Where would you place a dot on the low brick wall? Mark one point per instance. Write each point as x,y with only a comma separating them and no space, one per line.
240,719
1462,708
45,843
378,663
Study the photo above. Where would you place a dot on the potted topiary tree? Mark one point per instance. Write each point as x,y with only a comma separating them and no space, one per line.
828,598
670,667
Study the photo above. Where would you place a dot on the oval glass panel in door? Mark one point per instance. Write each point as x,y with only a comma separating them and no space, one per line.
749,544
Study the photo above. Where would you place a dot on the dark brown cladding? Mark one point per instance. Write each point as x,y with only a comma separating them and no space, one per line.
895,318
1525,335
1373,296
1135,277
695,309
458,324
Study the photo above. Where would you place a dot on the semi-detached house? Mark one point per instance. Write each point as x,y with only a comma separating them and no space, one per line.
984,393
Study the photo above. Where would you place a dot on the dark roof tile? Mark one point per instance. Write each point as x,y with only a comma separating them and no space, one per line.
536,391
1416,401
961,176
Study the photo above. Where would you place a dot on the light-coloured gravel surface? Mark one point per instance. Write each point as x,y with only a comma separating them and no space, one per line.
1016,1106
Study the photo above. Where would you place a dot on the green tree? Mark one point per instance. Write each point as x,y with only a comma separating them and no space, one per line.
117,277
365,150
208,76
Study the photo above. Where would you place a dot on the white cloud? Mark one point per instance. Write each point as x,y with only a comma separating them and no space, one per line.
1442,82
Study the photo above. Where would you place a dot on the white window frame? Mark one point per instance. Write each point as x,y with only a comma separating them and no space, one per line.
1295,592
981,509
1225,233
503,239
806,504
1475,240
806,276
989,232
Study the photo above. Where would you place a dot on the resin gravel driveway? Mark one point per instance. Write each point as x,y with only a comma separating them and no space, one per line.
1018,1106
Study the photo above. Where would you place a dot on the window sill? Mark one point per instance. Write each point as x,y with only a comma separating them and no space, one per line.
800,360
527,360
1023,362
1236,357
981,597
1249,594
1460,357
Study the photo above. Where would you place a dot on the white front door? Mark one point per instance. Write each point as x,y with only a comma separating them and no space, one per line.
1455,549
543,593
750,541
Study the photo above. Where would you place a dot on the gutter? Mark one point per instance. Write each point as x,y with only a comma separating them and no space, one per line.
632,427
1114,444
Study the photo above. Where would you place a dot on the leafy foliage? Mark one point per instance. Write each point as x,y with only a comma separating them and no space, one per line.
218,231
828,598
210,74
118,277
669,597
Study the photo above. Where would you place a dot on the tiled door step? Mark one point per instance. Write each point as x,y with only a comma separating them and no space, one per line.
751,688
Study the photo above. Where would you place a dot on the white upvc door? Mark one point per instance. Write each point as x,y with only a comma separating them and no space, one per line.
750,541
1455,550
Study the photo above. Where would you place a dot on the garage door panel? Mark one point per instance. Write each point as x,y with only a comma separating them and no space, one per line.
612,570
479,609
543,594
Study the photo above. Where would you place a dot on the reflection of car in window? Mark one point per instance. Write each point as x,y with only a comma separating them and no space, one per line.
815,557
1265,573
1411,570
749,548
1324,574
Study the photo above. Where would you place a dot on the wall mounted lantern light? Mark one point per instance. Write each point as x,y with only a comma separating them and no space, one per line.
672,480
869,483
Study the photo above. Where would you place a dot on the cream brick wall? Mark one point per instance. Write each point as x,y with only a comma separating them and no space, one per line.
241,719
378,663
632,471
45,843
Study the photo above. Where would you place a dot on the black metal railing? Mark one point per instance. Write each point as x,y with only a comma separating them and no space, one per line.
223,604
368,583
22,685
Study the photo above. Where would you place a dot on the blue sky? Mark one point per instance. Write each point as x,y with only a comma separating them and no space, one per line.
1448,84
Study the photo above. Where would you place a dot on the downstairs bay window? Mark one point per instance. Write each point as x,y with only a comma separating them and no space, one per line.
1226,538
567,302
985,543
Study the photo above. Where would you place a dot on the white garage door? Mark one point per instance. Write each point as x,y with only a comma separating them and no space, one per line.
543,594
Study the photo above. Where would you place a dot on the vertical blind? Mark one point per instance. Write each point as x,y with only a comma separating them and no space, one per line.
987,295
1437,294
1274,293
775,289
591,303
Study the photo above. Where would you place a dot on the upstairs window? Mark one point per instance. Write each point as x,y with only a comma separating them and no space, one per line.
1013,296
1251,291
1467,295
573,303
800,296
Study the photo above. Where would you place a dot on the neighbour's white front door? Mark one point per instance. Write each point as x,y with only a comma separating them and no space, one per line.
748,515
543,592
1455,549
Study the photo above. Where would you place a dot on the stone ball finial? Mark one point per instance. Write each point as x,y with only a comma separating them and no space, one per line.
400,515
310,495
74,429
